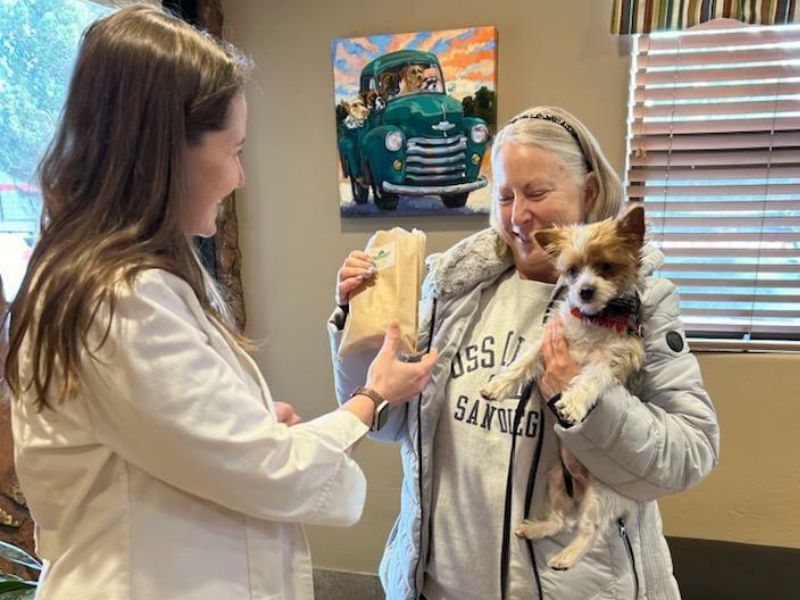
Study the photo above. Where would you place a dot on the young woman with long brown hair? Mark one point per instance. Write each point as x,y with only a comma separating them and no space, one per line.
154,461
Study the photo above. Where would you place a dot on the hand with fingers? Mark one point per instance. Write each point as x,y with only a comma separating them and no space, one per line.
394,380
559,367
285,414
358,267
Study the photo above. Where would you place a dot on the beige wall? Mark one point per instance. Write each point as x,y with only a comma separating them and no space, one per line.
754,494
293,239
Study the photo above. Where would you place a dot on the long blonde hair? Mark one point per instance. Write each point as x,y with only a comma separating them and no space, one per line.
552,128
145,84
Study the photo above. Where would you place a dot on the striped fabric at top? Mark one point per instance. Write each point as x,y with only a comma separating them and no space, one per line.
644,16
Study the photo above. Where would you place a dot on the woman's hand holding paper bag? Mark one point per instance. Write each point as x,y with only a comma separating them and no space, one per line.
394,380
397,380
380,285
357,268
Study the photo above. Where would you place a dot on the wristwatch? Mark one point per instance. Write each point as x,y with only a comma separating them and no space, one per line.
381,406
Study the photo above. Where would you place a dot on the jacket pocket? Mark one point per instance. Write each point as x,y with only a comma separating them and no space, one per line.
594,577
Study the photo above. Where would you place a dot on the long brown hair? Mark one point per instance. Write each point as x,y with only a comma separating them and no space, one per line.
3,337
145,84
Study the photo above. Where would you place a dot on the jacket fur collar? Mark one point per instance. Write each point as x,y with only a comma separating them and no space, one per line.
475,259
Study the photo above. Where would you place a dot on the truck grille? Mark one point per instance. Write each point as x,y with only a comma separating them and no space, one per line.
435,160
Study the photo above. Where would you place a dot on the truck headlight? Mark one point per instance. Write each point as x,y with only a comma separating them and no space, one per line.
479,133
394,141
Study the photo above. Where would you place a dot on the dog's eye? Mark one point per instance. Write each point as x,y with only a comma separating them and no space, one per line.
572,271
606,267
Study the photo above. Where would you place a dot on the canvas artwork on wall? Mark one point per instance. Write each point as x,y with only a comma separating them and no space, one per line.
414,116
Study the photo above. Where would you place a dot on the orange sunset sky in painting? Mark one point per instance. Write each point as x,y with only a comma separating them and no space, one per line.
467,57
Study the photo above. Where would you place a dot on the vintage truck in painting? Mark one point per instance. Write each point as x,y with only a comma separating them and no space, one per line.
411,138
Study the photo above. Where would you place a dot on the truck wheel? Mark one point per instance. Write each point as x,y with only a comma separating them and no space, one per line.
383,200
455,200
360,192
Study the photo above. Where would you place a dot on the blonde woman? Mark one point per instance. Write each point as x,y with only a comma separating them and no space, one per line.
474,470
153,458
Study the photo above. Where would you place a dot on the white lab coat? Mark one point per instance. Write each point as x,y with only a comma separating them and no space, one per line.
169,477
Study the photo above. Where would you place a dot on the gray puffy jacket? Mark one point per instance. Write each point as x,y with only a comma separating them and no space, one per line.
658,437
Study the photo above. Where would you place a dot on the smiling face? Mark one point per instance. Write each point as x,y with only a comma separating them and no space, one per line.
212,170
533,190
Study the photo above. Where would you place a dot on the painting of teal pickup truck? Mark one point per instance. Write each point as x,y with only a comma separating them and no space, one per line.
403,137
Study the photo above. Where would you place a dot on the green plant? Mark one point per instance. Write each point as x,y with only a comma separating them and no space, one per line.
11,586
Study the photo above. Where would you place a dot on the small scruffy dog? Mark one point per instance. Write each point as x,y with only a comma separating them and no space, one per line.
412,79
600,263
357,112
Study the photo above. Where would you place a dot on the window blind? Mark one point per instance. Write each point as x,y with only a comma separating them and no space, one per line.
714,155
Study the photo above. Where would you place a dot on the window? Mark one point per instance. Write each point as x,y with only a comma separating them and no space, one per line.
714,155
38,45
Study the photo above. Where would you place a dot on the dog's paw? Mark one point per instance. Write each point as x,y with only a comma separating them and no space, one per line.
570,410
495,390
534,530
564,560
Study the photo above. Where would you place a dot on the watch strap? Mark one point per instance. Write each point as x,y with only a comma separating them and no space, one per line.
363,390
381,405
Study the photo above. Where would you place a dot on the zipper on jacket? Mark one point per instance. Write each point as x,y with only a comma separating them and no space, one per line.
505,551
417,592
623,533
529,496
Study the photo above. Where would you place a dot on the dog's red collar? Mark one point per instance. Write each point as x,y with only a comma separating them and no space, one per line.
622,323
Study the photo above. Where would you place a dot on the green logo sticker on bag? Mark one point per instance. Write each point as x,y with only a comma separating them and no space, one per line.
384,256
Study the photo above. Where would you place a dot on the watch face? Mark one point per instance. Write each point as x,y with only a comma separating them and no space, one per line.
381,416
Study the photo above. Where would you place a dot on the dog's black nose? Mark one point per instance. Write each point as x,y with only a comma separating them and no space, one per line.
587,294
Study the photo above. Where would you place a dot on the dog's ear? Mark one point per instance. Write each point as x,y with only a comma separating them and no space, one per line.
631,227
389,80
551,240
345,105
369,98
